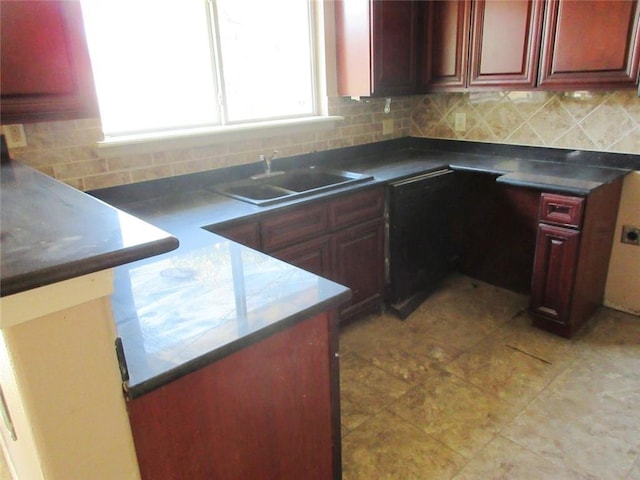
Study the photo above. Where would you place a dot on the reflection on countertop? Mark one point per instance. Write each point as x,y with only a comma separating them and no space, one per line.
179,312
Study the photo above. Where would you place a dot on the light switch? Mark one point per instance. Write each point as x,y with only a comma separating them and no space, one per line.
461,122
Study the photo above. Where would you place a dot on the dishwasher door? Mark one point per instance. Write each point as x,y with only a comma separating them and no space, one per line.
420,248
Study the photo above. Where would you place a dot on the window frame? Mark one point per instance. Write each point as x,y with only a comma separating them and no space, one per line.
128,143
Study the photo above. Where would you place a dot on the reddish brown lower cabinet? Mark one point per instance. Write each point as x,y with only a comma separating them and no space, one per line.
341,239
554,270
359,264
247,234
313,255
573,248
269,411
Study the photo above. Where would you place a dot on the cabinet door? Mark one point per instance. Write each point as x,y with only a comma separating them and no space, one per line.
376,44
246,234
313,255
266,411
553,271
505,42
590,44
356,208
46,72
359,263
445,60
294,226
395,29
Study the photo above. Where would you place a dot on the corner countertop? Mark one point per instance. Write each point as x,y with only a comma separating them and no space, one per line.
184,309
181,311
51,232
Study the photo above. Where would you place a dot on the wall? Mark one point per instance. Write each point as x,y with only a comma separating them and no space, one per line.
606,121
67,150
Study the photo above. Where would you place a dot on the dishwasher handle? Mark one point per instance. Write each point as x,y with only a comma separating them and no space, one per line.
419,178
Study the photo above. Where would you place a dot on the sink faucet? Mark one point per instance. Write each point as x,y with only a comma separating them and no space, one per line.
267,161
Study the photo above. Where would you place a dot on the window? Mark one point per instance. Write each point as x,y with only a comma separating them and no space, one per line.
166,65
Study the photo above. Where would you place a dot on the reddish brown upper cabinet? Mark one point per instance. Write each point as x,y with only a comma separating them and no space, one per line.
445,59
377,47
45,67
484,43
590,44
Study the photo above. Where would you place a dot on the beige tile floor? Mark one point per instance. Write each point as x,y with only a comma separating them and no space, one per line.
466,388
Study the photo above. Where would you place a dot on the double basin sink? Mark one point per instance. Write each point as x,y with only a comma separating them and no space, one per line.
274,187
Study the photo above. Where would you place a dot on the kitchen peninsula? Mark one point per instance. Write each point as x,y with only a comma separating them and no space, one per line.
222,335
62,384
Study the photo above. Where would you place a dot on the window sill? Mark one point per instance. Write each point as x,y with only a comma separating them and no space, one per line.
179,139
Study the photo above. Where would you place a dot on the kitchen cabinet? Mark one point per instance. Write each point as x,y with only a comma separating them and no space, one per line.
341,239
495,230
377,47
247,234
590,44
554,270
313,255
359,264
481,44
45,66
269,410
573,247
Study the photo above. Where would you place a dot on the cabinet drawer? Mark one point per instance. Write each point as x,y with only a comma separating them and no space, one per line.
356,208
294,226
246,234
561,209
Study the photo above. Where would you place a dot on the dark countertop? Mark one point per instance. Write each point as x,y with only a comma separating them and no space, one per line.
51,232
182,310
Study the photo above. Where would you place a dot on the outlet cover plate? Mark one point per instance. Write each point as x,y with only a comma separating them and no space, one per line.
630,234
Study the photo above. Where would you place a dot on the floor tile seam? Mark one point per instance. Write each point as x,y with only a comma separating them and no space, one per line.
546,458
428,435
633,466
433,365
499,427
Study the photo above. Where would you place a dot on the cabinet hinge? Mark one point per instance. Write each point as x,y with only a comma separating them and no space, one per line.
122,362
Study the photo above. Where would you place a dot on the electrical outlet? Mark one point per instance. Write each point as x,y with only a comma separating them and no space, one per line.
630,234
460,122
15,136
387,126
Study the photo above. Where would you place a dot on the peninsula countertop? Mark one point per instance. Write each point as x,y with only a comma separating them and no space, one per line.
181,310
51,232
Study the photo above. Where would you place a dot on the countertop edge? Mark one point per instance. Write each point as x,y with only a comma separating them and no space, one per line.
153,383
77,268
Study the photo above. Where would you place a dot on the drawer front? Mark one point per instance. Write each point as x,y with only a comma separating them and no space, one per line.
356,208
247,234
561,209
293,226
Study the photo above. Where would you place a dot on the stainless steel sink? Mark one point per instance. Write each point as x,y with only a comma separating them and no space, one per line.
276,187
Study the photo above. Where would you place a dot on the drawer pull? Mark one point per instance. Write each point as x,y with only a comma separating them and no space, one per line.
561,210
554,208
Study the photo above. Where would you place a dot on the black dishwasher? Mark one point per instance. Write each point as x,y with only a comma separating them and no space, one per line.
420,250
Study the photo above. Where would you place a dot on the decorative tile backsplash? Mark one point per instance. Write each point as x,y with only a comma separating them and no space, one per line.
67,150
604,121
608,121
